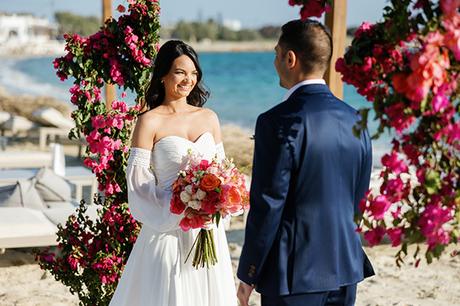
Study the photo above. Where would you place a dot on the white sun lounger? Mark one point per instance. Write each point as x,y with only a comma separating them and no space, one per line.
77,175
22,227
27,159
25,227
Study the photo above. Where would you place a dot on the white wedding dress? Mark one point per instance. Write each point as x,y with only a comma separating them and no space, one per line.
156,273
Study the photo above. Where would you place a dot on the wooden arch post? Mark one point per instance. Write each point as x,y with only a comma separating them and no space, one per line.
336,21
109,88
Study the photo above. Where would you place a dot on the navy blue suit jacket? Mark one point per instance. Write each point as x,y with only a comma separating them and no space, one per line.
309,174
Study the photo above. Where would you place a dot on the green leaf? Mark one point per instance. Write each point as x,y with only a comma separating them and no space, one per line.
429,257
432,181
424,104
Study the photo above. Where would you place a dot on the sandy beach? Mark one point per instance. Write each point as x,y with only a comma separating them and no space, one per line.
23,283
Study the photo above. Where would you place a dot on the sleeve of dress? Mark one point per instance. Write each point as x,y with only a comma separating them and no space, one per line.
148,203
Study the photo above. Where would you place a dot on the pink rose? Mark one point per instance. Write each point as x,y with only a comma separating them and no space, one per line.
191,221
176,205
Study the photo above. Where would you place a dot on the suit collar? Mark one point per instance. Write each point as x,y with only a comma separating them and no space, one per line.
300,84
311,89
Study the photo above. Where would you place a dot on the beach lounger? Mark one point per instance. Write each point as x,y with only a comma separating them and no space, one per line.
22,227
31,209
47,135
17,124
79,176
25,227
26,159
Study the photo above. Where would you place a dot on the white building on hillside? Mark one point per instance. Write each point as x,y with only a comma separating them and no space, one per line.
232,24
24,29
27,35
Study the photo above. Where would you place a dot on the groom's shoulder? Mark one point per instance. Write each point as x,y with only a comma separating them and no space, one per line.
279,113
282,109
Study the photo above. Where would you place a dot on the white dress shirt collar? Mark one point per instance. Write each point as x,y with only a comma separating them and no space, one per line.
306,82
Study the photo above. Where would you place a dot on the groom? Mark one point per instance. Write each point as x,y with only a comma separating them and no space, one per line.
310,172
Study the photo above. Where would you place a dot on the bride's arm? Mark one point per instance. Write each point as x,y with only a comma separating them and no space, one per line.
144,132
148,203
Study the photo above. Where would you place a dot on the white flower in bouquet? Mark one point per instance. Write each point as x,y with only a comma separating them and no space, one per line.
189,189
200,194
228,163
194,204
185,197
194,157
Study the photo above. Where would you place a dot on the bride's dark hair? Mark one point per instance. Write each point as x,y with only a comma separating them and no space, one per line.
166,55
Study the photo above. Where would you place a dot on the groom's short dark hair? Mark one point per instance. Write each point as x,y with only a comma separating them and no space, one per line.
311,42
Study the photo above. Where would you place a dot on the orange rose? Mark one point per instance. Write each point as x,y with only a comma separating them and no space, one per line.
209,182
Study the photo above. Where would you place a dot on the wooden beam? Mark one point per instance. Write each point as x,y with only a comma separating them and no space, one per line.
336,21
106,10
110,91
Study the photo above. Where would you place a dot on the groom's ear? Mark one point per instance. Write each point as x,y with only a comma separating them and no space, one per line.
291,59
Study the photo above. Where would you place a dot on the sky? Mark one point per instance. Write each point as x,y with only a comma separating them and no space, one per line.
251,13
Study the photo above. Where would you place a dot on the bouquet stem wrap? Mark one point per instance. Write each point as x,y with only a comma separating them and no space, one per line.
205,250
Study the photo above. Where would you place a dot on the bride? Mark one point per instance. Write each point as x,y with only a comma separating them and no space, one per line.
156,273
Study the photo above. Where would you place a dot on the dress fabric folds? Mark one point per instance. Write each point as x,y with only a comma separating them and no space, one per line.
156,273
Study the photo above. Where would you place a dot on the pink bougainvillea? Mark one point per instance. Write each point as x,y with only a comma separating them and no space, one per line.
312,8
408,67
91,253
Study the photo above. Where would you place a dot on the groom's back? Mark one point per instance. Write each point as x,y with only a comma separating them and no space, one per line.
331,156
319,247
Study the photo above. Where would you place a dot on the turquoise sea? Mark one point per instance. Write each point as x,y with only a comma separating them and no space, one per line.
242,85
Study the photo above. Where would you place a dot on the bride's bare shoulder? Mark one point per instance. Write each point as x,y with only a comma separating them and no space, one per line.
150,119
208,114
144,132
212,122
149,115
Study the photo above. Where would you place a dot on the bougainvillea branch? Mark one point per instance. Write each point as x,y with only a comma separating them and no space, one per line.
312,8
408,67
91,253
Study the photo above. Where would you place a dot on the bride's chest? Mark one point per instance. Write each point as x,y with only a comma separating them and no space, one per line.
172,152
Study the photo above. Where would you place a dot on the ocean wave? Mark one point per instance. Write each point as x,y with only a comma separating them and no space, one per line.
16,81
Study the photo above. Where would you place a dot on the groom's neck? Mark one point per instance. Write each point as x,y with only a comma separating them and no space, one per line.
300,77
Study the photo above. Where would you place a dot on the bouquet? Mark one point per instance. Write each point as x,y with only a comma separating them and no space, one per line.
204,192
